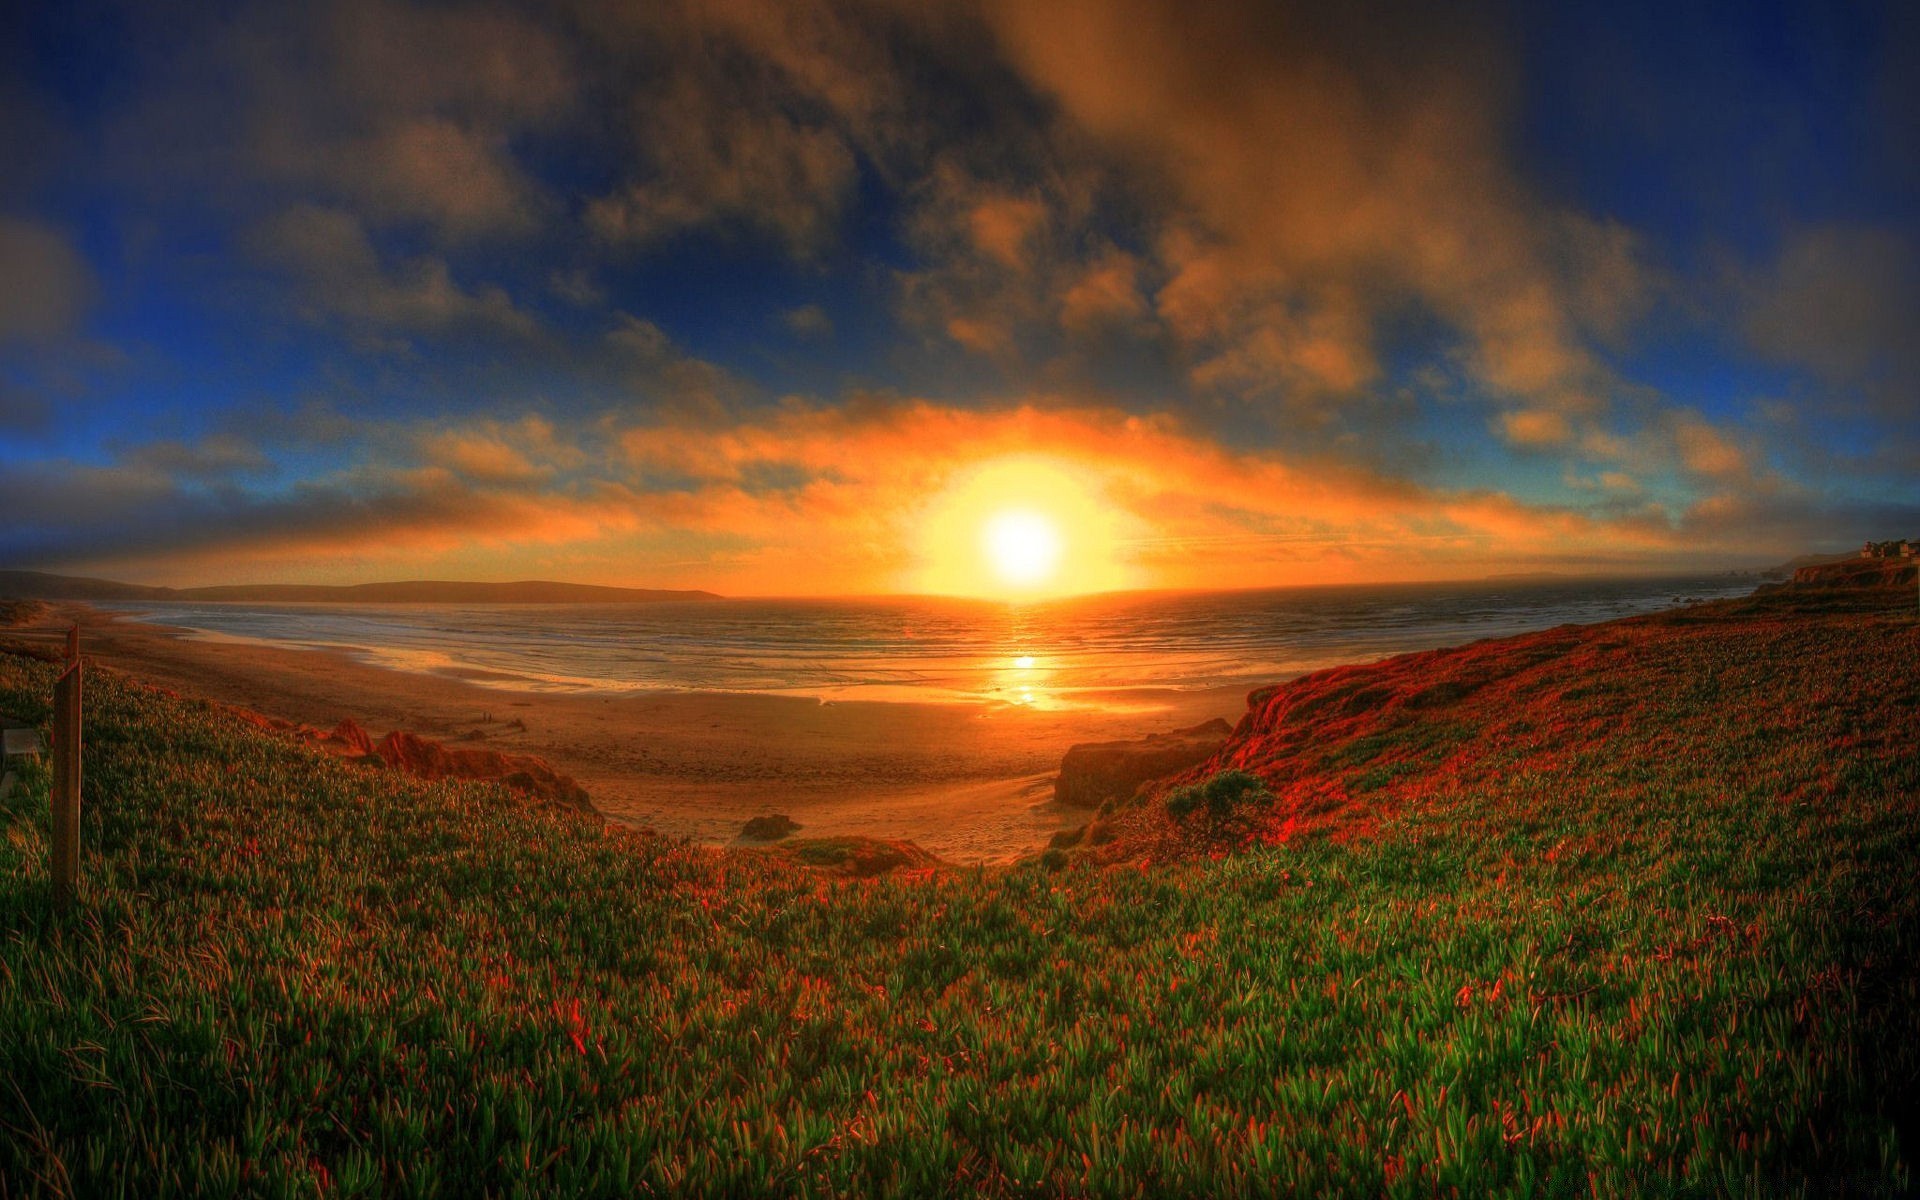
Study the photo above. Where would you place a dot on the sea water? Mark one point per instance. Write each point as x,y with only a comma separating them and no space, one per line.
1091,651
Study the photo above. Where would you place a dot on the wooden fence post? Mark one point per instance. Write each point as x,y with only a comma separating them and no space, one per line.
66,786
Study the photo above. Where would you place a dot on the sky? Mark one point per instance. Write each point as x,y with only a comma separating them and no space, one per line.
798,297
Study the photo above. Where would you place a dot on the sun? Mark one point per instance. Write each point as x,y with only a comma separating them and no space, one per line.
1022,546
1022,527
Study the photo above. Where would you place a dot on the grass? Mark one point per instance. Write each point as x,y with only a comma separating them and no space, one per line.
1653,937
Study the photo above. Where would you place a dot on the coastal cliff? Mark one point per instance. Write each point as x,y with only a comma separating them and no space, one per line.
1707,692
1859,573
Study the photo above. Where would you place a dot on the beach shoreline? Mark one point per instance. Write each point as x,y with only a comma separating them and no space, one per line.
970,782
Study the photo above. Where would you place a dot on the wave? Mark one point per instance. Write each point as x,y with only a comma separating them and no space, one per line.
1060,653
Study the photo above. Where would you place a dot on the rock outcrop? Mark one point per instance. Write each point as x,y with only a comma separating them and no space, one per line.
426,759
769,828
1093,773
423,758
350,738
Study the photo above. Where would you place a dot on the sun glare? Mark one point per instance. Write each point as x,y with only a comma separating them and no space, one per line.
1024,548
1022,527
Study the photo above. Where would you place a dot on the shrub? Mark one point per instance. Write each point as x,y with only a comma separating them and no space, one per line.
1221,795
769,828
1114,804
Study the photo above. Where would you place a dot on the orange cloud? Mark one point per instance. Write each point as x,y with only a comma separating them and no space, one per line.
1707,451
873,495
1001,226
1200,514
1325,172
1106,294
1535,428
493,452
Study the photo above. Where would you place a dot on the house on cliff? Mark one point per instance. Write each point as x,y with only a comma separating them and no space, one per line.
1904,548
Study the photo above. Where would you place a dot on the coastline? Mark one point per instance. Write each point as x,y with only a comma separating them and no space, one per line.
1693,829
971,783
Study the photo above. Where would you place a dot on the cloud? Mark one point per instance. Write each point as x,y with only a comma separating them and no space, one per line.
403,114
1256,269
1106,295
1535,428
846,498
714,164
436,170
1311,361
482,459
83,515
1842,301
341,274
1790,524
1326,169
577,287
1006,268
1249,199
746,116
217,457
1217,517
1003,227
521,452
640,339
46,286
808,321
22,412
1712,453
651,367
408,116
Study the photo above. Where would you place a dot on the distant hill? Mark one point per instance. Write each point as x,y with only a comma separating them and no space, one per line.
430,591
38,585
1807,560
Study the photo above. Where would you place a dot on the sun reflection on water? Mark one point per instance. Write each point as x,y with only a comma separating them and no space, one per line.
1021,680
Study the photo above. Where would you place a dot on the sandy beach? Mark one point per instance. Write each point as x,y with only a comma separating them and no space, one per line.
970,782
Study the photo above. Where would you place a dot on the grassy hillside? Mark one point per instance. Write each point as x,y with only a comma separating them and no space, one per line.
1785,696
1654,931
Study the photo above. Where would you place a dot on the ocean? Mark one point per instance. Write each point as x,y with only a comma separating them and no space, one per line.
1096,651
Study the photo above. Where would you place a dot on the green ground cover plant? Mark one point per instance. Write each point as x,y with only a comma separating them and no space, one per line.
1648,927
1219,795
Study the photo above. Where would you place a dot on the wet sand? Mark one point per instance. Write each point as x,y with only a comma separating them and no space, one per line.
971,782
